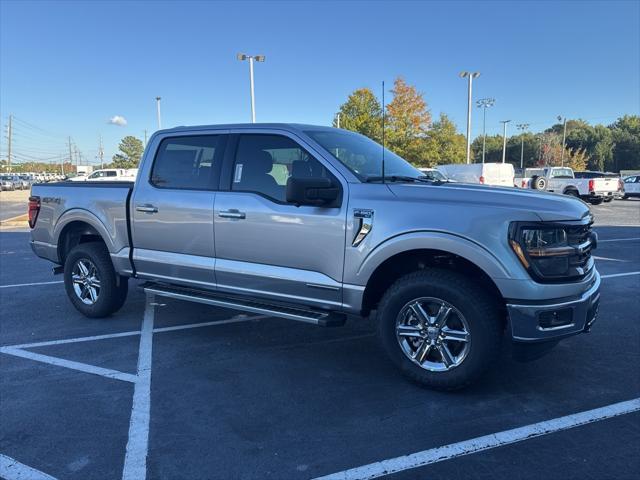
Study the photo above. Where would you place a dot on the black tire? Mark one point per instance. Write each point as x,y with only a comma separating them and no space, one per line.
481,314
608,199
596,201
572,193
538,183
112,290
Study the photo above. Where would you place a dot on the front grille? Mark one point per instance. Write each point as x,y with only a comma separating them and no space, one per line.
581,239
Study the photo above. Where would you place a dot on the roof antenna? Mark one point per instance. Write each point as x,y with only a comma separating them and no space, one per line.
383,119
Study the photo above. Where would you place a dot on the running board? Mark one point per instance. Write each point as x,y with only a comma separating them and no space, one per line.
322,319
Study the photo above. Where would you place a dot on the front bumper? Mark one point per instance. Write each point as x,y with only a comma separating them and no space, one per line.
529,322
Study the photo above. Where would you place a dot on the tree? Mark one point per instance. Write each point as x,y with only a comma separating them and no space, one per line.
361,113
443,144
408,121
626,137
131,150
493,149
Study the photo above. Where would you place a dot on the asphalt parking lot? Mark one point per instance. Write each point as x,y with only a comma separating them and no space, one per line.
225,396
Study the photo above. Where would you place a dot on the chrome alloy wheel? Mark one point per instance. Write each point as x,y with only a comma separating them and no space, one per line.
86,282
433,334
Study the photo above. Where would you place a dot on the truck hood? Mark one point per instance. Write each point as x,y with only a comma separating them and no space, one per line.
547,206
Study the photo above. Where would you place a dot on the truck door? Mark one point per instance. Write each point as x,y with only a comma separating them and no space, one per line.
172,205
267,247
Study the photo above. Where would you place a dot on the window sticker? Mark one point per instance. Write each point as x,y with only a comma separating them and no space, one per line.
238,175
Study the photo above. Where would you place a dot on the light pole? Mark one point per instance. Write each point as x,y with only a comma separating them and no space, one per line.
485,103
564,137
251,58
504,138
522,127
158,112
470,76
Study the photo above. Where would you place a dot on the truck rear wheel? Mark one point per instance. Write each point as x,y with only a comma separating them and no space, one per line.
439,328
596,201
92,284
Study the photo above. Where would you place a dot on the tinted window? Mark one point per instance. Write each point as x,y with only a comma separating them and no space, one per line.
112,174
264,163
185,162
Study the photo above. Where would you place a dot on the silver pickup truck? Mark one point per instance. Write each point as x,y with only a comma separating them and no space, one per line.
305,223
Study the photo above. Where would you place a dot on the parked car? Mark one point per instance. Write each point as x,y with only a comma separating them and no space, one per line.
15,181
596,174
7,183
497,174
631,187
108,175
562,180
308,227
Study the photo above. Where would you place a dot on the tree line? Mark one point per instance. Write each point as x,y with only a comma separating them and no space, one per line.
411,133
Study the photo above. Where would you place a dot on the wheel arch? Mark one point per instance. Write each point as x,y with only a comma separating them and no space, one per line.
77,227
415,252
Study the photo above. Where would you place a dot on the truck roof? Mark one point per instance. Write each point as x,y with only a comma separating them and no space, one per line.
284,126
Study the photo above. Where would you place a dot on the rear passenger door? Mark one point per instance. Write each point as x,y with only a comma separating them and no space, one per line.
267,247
173,211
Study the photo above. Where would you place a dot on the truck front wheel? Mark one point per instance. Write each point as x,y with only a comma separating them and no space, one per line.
92,284
439,328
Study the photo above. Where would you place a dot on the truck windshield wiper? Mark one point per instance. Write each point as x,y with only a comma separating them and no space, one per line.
398,178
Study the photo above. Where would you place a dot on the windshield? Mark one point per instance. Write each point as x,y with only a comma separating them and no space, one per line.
362,155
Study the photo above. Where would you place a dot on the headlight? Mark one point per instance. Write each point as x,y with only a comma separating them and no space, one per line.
552,252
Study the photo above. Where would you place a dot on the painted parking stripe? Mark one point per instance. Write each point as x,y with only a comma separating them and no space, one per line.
61,362
619,240
11,469
76,340
487,442
613,275
236,319
31,284
135,460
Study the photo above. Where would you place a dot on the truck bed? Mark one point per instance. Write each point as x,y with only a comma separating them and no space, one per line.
103,205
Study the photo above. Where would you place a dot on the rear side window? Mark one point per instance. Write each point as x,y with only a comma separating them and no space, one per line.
112,174
186,163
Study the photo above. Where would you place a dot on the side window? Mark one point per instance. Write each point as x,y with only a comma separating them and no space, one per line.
185,163
264,163
111,173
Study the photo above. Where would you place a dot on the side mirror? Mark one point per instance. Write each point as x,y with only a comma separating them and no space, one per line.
314,191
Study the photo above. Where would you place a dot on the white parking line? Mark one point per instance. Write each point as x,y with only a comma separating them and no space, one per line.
619,240
11,469
61,362
613,275
466,447
135,460
30,284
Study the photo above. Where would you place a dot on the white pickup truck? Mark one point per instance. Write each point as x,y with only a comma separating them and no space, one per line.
562,180
108,175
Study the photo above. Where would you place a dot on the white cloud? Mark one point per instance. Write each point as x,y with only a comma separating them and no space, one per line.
118,120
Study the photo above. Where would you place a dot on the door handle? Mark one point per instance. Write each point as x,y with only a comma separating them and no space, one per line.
146,208
231,214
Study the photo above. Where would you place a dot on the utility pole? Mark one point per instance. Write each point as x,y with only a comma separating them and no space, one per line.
101,153
10,134
470,76
522,127
145,138
338,121
158,112
70,154
504,139
564,138
485,103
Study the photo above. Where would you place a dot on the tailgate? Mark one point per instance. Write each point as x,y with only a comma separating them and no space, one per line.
605,184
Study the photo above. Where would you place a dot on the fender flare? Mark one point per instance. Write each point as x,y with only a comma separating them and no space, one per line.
85,216
432,240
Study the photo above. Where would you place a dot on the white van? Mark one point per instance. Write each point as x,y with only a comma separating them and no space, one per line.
109,174
497,174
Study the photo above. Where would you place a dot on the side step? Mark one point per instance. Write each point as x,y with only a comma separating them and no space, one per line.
315,317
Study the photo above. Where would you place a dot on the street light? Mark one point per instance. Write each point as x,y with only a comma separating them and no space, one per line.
504,138
158,112
470,76
485,103
564,137
522,127
251,58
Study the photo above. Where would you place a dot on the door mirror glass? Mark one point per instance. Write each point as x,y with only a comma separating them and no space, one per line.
313,191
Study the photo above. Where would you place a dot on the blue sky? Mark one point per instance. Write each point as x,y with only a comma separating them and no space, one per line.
67,67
